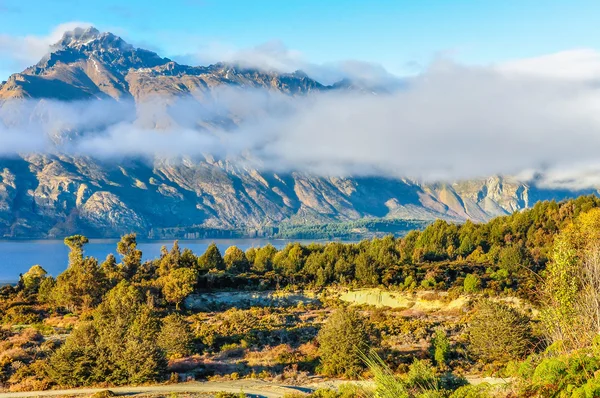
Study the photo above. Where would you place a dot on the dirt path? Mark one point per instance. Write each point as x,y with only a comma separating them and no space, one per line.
253,388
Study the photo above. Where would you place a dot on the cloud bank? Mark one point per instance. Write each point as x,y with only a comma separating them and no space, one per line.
451,122
276,56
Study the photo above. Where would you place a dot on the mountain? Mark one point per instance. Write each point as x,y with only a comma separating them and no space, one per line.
88,64
53,195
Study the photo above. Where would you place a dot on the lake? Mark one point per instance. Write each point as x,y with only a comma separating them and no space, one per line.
17,257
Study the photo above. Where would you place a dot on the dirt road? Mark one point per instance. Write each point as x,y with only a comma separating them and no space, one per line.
253,388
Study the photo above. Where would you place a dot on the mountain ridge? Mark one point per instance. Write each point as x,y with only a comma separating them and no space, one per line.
52,195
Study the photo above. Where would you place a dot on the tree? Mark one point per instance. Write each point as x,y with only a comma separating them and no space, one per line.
131,257
251,254
118,346
499,332
82,285
572,280
45,290
366,270
175,338
263,261
511,258
236,261
111,270
342,339
188,259
75,362
76,244
179,284
211,259
32,279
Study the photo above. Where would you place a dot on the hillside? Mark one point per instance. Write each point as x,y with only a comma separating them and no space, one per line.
51,194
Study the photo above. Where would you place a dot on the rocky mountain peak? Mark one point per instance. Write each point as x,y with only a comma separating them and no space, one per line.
90,39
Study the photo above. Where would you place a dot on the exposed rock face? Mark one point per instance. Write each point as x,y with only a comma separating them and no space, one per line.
89,64
56,195
48,196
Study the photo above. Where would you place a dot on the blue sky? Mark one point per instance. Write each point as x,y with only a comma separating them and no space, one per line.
399,35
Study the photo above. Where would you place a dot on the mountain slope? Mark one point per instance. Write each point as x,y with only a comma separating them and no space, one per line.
49,195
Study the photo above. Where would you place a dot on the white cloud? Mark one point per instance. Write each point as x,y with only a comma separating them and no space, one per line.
450,122
579,64
19,52
276,56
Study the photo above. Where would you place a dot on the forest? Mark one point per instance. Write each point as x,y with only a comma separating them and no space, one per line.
514,302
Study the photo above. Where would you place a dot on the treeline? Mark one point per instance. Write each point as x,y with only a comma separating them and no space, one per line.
350,230
504,254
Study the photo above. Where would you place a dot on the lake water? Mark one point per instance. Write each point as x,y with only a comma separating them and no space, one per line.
17,257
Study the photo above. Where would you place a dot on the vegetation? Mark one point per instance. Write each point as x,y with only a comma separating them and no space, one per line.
519,298
341,340
499,332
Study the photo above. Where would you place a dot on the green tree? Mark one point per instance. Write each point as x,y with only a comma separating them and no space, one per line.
82,285
75,362
366,270
118,346
511,258
76,243
251,254
263,261
111,270
572,284
131,257
45,290
179,284
211,259
176,338
236,261
32,279
342,339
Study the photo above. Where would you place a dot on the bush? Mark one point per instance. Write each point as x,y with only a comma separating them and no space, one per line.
103,394
421,375
499,332
440,347
341,340
175,337
223,394
21,315
558,375
472,283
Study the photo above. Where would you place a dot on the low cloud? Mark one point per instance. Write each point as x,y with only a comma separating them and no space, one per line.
20,52
451,122
276,56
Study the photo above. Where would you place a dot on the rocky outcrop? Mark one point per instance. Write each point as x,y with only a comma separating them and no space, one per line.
50,195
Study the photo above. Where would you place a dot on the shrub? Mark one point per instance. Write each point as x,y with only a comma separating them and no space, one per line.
103,394
421,375
440,347
175,337
472,283
557,375
21,315
341,340
223,394
499,332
